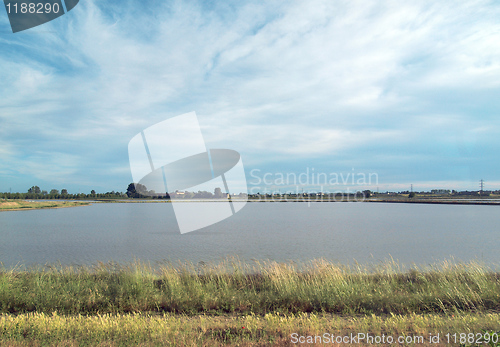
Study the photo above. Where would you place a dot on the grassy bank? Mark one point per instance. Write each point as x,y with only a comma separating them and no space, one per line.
40,329
233,287
18,205
235,303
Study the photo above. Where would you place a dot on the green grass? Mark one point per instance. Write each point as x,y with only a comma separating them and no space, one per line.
232,303
38,329
236,288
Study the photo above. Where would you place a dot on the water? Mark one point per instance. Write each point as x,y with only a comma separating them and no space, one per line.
339,232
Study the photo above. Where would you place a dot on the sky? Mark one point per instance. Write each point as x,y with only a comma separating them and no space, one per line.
404,92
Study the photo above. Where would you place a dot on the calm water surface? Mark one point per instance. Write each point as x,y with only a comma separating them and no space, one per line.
339,232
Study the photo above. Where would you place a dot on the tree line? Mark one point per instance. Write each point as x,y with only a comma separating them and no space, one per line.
35,192
134,191
140,191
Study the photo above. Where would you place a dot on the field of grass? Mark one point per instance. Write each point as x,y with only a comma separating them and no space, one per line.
17,205
38,329
240,304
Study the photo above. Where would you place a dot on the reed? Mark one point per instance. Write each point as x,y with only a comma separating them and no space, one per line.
232,287
39,329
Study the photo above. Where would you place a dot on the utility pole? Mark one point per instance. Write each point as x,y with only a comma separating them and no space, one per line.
411,189
482,185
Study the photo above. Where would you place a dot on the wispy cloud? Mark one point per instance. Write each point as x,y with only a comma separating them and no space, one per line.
381,86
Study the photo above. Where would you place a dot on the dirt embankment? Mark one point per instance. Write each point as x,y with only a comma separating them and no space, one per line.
8,204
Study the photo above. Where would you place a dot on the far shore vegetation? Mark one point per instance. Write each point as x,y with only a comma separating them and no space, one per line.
136,191
235,303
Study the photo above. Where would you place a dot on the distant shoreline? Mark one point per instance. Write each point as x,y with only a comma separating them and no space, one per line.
443,202
394,201
23,205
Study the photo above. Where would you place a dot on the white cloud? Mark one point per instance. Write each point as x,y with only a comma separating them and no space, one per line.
314,78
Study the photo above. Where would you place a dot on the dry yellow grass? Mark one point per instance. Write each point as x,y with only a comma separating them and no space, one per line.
30,205
38,329
8,204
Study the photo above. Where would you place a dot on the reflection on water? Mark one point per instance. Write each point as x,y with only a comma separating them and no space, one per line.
339,232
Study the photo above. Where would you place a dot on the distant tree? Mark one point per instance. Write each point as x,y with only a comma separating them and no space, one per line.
54,192
218,193
367,193
132,191
141,189
136,190
411,195
92,192
34,190
44,192
64,192
203,195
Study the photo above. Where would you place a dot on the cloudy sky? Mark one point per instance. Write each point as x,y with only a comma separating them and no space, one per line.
408,91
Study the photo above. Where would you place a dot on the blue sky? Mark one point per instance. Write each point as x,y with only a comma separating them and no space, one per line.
408,91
